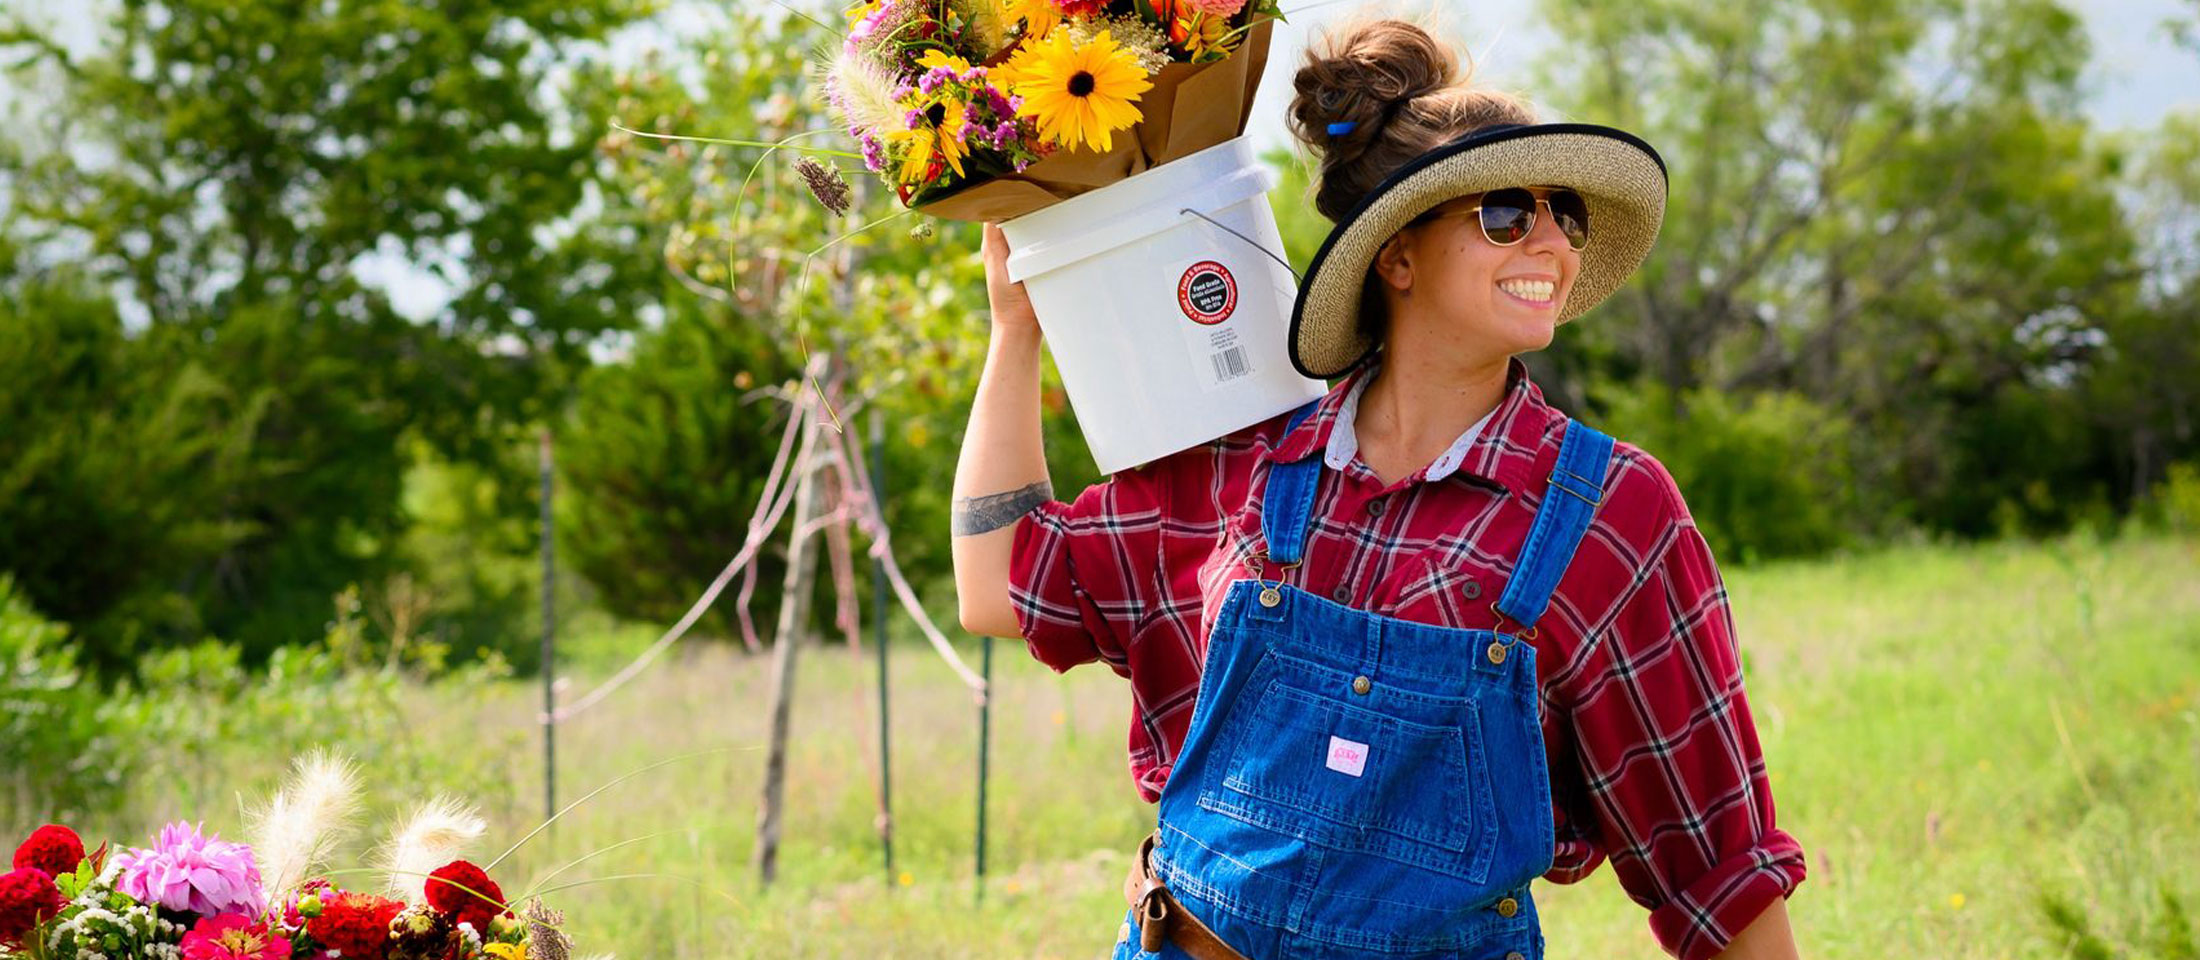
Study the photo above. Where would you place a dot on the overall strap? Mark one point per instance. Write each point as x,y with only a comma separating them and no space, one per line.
1577,487
1289,503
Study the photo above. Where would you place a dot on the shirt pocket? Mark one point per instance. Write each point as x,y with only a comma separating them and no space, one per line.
1439,592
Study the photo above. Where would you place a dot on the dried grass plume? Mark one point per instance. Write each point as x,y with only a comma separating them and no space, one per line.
438,832
300,826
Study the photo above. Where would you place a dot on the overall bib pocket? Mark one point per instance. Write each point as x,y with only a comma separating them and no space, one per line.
1393,774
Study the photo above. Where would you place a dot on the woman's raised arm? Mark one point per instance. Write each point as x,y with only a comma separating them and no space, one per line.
1002,471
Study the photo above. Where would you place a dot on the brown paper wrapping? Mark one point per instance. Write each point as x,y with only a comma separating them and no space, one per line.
1190,108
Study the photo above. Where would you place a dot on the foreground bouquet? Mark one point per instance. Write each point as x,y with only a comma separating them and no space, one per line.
194,896
988,109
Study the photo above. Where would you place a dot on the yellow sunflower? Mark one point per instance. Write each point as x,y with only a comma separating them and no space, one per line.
1080,94
1201,34
1039,17
941,58
941,128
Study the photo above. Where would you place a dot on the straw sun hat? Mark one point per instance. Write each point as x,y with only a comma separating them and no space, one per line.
1621,178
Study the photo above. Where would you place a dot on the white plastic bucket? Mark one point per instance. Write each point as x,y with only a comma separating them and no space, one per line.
1168,331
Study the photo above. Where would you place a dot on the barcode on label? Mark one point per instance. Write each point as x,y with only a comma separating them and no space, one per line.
1230,364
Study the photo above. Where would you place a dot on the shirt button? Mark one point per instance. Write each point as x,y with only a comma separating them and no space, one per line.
1472,589
1374,508
1343,594
1361,685
1507,907
1497,652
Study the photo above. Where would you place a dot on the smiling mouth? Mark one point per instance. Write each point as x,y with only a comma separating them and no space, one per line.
1538,292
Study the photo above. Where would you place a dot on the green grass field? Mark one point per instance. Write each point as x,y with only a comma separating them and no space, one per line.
1958,735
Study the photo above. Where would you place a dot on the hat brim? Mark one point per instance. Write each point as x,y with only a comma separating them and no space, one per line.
1622,179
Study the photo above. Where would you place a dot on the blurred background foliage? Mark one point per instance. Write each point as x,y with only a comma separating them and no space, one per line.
1906,290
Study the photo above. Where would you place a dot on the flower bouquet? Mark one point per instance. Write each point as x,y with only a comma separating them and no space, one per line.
991,109
191,896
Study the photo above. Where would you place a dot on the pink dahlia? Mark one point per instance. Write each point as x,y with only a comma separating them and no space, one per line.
234,936
188,871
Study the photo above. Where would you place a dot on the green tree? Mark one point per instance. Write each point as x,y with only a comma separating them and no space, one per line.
229,171
1896,210
665,452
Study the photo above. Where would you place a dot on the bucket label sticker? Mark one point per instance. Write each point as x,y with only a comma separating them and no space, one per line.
1207,292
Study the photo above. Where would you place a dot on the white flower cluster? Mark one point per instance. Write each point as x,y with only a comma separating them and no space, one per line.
104,925
1144,41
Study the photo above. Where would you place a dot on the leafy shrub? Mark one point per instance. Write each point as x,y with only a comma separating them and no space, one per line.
60,746
2179,497
1765,477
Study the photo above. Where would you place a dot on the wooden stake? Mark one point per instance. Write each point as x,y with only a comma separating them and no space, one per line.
794,619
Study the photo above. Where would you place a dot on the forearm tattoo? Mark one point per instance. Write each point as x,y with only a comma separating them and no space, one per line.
976,515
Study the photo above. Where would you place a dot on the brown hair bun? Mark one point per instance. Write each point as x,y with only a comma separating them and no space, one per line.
1404,90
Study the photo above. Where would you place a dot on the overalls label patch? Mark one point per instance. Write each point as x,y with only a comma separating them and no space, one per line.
1347,757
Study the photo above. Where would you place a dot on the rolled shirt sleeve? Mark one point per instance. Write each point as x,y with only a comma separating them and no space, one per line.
1078,570
1670,769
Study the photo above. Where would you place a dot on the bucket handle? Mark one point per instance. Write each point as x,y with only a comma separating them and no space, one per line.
1249,241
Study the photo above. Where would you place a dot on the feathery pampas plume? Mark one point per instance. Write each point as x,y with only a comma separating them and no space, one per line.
299,827
437,833
864,91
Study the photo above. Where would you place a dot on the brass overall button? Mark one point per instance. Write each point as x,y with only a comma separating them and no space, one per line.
1361,685
1515,955
1497,652
1270,596
1507,907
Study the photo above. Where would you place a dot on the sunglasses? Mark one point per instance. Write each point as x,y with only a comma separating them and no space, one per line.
1508,215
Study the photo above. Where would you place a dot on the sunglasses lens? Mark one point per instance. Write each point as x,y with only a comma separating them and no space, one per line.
1507,215
1572,213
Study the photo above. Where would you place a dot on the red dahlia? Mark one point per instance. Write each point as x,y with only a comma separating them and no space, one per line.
27,899
354,924
452,890
53,848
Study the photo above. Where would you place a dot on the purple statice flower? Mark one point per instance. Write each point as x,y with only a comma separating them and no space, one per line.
874,154
189,871
934,78
914,118
973,75
1022,164
902,91
1003,108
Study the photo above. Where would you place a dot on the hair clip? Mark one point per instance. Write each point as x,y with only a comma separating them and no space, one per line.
1342,127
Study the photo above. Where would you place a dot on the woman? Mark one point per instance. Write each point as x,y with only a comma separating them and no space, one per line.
1400,652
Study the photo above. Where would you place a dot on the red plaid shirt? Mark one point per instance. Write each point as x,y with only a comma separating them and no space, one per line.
1653,756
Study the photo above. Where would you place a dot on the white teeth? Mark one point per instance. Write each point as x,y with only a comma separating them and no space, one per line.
1537,290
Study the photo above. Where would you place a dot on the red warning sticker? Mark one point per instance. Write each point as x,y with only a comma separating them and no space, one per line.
1207,293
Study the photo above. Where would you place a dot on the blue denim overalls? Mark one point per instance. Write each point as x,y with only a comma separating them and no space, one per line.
1355,784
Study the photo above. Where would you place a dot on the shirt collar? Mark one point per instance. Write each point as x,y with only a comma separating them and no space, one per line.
1502,451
